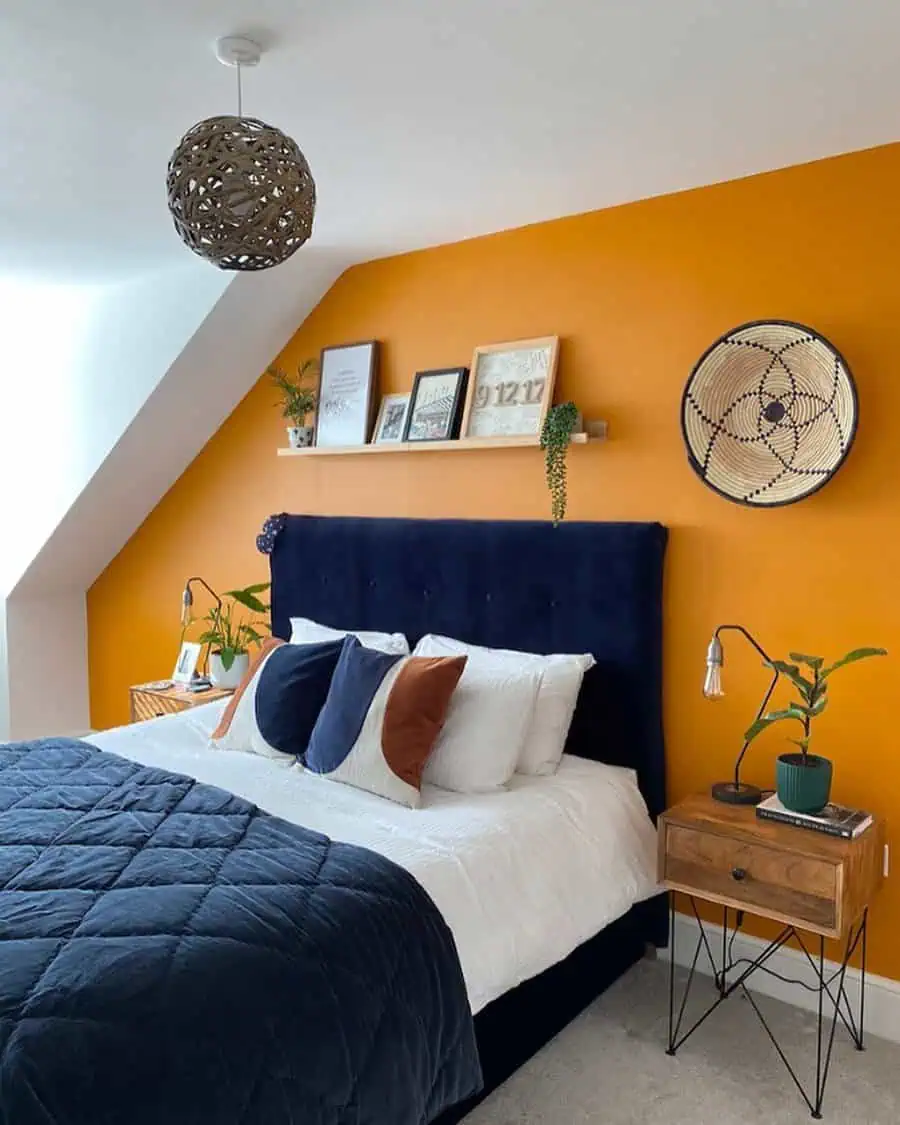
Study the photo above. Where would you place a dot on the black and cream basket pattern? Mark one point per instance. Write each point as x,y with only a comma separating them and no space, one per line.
769,413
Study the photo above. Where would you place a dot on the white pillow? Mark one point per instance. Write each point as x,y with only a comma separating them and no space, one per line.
560,678
306,632
486,725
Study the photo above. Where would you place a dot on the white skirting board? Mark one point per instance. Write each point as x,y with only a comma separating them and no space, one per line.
882,1013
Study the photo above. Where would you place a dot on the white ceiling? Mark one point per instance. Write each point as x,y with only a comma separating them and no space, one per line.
423,120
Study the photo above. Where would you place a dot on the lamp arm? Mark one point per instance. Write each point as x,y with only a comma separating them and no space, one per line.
759,715
206,586
747,636
218,613
765,703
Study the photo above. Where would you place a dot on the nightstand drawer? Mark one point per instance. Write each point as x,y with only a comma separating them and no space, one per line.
723,867
150,705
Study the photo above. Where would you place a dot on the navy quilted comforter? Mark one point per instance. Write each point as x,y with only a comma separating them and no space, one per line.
171,955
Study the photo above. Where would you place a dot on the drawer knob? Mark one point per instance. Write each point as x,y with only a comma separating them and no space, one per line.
738,874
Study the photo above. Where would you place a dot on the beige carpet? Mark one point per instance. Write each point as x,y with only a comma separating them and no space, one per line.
610,1067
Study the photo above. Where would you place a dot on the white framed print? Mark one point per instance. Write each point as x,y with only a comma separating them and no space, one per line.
347,377
391,422
186,664
511,388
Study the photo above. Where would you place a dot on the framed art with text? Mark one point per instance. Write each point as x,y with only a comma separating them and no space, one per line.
436,404
511,388
347,380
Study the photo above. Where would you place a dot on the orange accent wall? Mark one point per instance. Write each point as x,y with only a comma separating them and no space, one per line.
636,293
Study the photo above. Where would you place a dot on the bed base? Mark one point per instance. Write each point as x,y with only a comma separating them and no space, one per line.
515,1026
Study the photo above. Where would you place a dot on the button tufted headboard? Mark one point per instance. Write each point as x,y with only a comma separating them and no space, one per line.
579,587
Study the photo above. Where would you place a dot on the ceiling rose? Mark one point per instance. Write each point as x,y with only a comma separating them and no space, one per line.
240,191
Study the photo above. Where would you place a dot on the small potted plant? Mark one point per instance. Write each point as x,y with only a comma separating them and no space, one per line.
559,425
803,780
230,638
297,401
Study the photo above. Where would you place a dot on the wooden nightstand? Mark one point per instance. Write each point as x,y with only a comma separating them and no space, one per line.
151,703
806,880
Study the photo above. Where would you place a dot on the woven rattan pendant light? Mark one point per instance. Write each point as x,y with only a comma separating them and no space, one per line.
240,191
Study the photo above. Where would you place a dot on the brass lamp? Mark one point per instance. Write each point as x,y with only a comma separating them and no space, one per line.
734,792
187,602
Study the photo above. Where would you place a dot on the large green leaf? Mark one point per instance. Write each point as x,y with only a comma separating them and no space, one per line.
248,599
227,656
852,657
792,711
794,674
810,661
773,717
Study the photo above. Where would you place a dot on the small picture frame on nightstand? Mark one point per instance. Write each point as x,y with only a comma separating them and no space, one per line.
186,664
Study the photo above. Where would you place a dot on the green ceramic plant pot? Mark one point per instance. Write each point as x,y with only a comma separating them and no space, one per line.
803,788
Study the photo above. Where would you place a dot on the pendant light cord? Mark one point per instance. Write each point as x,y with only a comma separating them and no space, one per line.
240,112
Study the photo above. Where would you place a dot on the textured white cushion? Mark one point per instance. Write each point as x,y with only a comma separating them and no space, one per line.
560,677
307,632
486,725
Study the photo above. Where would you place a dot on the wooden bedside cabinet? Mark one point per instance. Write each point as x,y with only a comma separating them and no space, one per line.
150,703
806,880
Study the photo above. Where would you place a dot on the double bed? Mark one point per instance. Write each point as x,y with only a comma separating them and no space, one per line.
547,887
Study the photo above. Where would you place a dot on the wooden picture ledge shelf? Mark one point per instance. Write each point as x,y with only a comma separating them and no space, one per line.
595,433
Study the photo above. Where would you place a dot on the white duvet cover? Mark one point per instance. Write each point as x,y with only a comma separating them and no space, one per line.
521,876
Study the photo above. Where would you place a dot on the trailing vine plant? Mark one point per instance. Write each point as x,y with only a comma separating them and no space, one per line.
555,435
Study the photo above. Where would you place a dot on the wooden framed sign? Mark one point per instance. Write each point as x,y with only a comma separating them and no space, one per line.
346,394
511,388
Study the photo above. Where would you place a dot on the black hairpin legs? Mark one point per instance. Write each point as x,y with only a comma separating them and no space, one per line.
833,1002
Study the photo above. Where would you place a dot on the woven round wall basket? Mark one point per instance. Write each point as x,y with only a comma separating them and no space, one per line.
769,413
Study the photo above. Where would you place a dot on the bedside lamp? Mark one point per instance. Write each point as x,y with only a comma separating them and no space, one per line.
187,602
734,792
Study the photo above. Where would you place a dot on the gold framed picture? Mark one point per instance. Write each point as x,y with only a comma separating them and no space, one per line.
511,388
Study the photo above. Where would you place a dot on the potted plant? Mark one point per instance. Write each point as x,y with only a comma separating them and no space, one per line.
297,401
559,425
803,780
230,638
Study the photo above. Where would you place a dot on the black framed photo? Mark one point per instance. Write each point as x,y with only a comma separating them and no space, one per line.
435,407
348,379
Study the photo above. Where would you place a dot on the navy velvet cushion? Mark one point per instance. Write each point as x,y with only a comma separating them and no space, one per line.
357,678
381,719
275,709
292,690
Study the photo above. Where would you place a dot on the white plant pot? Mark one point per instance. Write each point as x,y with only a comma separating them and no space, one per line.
299,437
223,677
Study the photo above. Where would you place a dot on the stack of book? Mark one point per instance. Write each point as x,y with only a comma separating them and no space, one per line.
835,820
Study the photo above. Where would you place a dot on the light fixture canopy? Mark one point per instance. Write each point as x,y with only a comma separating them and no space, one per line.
240,191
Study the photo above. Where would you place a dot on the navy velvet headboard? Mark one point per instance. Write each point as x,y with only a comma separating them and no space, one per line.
579,587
